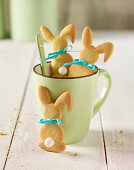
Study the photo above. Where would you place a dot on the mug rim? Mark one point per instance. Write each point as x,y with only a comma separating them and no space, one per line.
62,77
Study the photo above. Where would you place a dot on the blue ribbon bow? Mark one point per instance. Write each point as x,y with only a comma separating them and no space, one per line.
83,63
56,54
52,121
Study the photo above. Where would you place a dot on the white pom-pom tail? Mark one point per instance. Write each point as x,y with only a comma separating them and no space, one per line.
62,70
49,142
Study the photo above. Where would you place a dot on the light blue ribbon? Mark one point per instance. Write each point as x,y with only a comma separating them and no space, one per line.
56,54
52,121
83,63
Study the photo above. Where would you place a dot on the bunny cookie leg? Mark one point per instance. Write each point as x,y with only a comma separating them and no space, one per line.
58,147
52,138
77,70
58,62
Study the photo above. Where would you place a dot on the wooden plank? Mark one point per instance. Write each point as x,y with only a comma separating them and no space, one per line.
27,155
15,59
117,113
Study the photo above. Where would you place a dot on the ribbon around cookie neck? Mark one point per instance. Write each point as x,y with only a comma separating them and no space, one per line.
52,121
56,54
83,63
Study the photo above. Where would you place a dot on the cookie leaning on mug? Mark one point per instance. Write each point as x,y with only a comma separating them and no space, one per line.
59,43
90,54
51,132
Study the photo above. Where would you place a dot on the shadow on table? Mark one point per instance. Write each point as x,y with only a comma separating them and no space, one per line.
118,138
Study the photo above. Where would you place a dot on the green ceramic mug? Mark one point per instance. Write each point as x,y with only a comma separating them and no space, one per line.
2,20
83,90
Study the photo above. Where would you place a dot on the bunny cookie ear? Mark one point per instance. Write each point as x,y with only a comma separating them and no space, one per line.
44,95
70,31
65,99
87,37
106,48
46,33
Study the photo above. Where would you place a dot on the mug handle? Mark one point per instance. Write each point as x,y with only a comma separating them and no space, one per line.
105,91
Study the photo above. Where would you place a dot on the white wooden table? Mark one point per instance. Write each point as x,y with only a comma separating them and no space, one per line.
110,141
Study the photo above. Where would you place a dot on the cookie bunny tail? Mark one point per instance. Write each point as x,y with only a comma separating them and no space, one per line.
65,99
106,48
87,37
70,31
49,142
46,33
44,95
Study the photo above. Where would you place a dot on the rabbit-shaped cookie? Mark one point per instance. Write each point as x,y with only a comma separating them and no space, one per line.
52,135
90,54
59,43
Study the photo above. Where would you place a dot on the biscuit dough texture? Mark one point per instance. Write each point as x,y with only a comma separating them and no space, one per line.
52,135
59,43
90,54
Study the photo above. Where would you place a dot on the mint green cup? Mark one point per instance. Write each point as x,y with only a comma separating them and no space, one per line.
83,89
2,20
26,17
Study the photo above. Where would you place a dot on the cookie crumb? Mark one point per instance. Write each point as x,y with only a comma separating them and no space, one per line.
18,121
121,131
68,151
75,154
122,143
9,156
15,109
117,143
17,157
2,134
32,149
28,163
